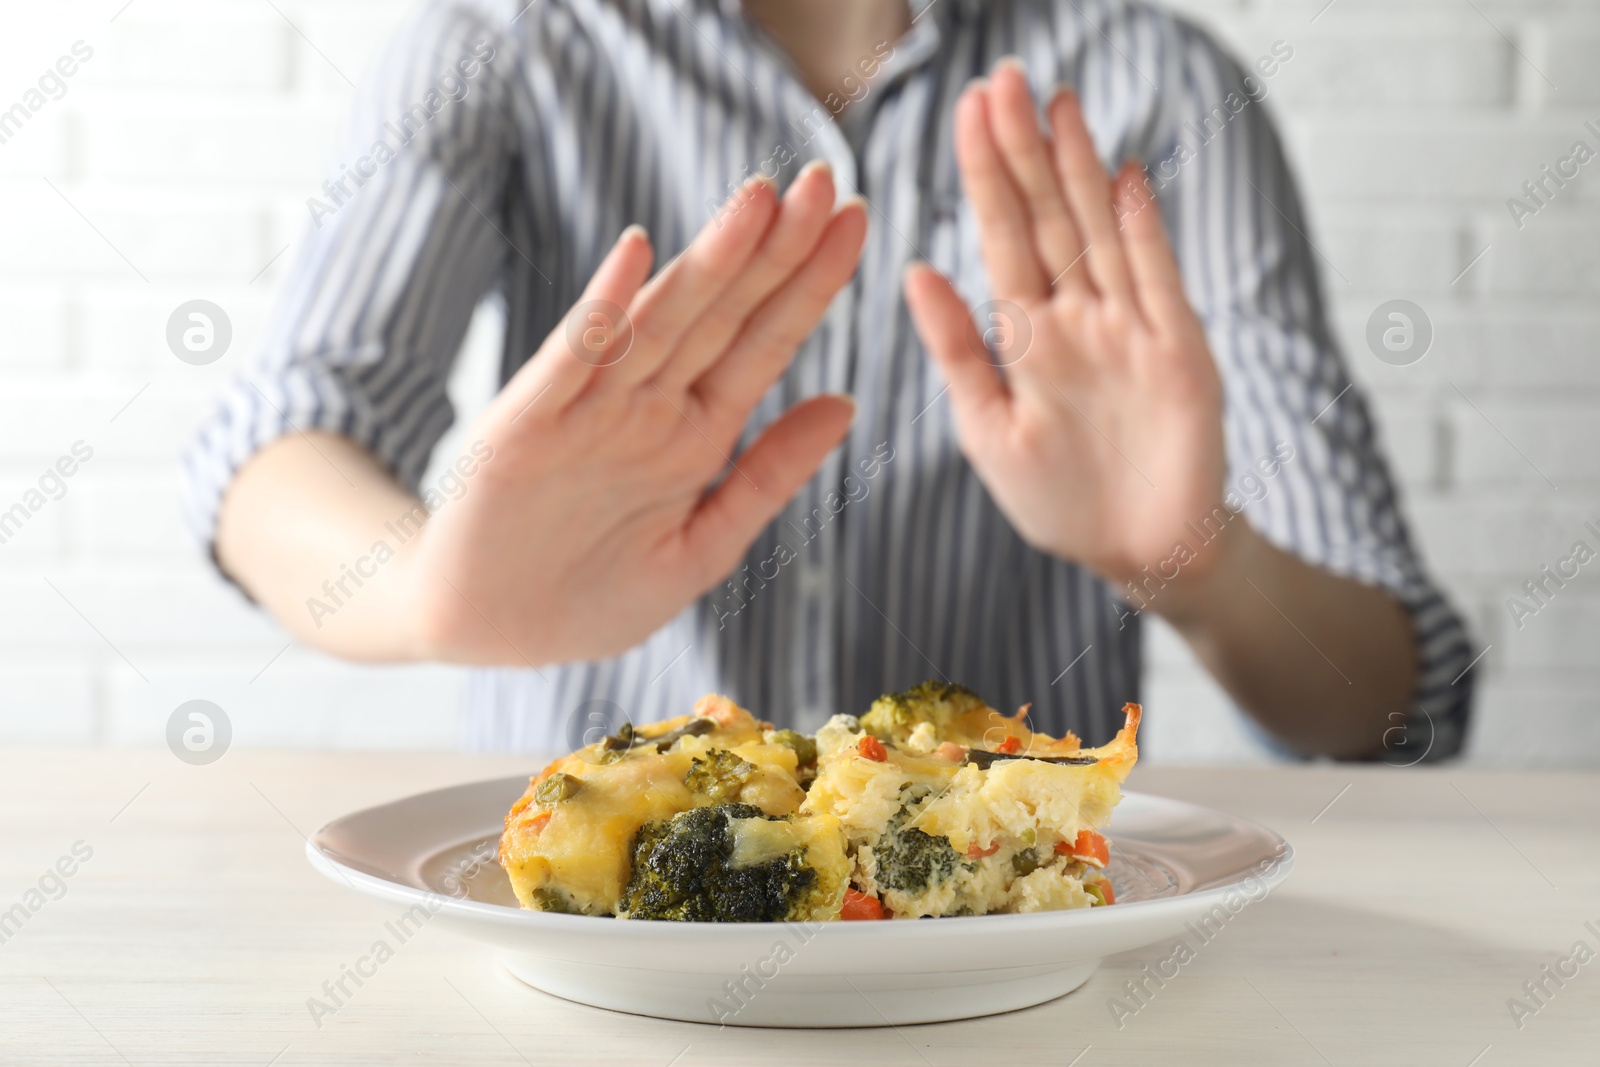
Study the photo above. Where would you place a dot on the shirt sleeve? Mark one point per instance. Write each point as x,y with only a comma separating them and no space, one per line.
405,238
1303,457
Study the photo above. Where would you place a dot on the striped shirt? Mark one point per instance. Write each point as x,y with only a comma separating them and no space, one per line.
502,148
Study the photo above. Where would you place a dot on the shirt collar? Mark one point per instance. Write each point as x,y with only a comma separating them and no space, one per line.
929,18
942,9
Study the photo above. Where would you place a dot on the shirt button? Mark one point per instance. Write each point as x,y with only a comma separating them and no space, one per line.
813,582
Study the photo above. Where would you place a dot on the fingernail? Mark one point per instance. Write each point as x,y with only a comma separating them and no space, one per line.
976,85
851,400
813,166
635,230
1013,62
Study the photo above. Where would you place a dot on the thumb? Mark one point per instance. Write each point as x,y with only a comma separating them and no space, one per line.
765,477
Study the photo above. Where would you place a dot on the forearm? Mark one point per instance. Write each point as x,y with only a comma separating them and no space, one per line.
1321,661
319,533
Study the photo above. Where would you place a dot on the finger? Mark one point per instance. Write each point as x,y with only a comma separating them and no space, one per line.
557,373
945,325
1004,228
1089,193
768,342
1057,236
667,307
766,476
804,213
1156,277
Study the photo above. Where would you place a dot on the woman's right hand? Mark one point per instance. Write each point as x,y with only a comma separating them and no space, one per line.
600,514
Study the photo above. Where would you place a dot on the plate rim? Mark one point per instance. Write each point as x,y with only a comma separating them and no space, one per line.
323,858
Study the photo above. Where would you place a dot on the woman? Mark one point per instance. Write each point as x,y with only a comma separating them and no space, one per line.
744,472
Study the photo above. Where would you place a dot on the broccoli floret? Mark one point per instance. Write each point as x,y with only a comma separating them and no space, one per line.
719,776
682,870
894,715
910,860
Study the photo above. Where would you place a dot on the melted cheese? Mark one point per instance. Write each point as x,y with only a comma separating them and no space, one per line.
582,848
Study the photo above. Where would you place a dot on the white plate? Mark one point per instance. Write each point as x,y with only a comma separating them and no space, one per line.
1173,864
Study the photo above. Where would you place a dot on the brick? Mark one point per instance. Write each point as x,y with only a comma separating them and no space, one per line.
1193,721
1565,54
1487,534
1434,157
1444,14
212,140
163,236
30,535
1553,255
35,320
1408,433
1403,61
1391,255
1525,443
40,421
348,40
1524,720
203,52
125,517
1456,355
190,242
1560,635
301,700
38,148
45,237
51,702
1552,351
124,326
136,611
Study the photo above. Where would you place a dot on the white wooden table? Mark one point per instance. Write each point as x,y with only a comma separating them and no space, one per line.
196,932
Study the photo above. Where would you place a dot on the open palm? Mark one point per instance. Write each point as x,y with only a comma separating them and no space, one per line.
1100,435
613,497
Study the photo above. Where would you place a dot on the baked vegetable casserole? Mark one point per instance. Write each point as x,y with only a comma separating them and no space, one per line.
930,804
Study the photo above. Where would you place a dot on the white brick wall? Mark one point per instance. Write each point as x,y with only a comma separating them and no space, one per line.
192,137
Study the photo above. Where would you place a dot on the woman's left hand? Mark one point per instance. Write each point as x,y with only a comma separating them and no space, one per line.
1101,438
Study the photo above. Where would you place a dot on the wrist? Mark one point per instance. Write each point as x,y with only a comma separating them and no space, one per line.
417,604
1206,568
